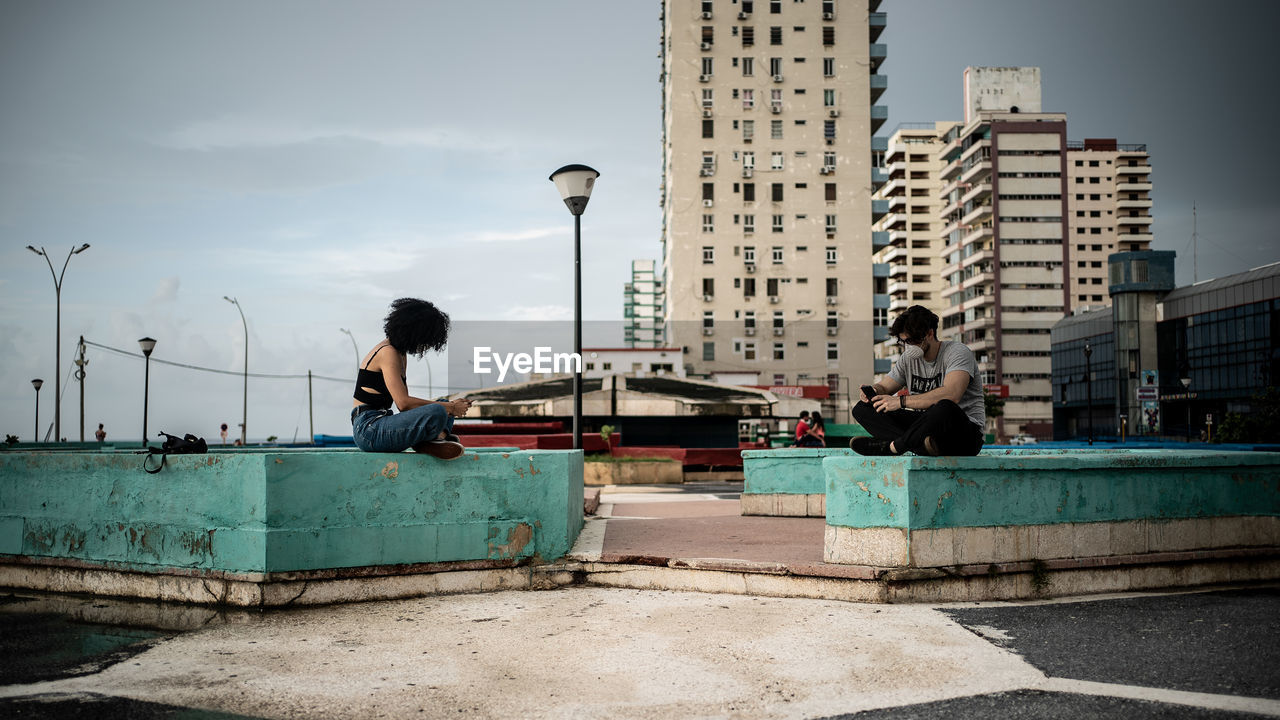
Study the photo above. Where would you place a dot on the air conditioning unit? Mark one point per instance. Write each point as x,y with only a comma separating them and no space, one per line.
704,78
705,46
708,331
706,112
777,78
774,299
707,203
831,299
708,298
743,16
751,332
775,109
828,16
831,141
708,171
706,16
751,267
834,113
746,172
777,331
832,330
825,170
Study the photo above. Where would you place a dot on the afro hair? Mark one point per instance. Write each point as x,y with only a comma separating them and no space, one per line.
416,326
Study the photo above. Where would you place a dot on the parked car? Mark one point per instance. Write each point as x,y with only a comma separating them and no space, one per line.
1022,439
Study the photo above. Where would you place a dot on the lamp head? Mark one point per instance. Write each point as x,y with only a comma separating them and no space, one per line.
224,297
37,383
1186,382
575,183
32,249
147,344
81,249
1088,349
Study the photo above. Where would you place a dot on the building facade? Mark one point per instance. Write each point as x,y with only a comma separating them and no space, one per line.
642,307
769,108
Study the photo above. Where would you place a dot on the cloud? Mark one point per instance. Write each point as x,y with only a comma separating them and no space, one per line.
517,235
166,290
247,132
538,312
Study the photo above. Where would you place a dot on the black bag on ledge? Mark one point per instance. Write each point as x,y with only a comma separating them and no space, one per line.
173,445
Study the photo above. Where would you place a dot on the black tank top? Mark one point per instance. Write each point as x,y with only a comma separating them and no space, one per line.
372,379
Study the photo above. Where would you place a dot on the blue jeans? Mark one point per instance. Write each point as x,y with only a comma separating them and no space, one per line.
377,430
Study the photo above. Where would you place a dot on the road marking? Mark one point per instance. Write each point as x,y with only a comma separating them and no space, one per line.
590,541
1232,703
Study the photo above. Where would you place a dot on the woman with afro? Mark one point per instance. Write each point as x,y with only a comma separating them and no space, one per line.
412,327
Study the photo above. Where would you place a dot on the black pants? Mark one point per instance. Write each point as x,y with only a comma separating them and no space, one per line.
952,430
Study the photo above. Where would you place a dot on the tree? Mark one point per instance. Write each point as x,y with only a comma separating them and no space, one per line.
1259,425
993,404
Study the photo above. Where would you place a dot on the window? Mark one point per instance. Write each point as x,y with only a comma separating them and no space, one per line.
748,159
829,191
833,352
708,98
748,36
708,129
748,99
708,286
748,65
775,163
831,255
777,318
833,319
749,193
828,98
706,66
749,254
708,223
775,192
708,319
828,67
831,225
880,316
708,351
771,287
749,222
749,291
829,130
708,191
749,318
833,287
775,7
775,132
776,253
748,351
829,160
709,161
777,223
779,351
775,35
828,35
708,254
775,66
748,130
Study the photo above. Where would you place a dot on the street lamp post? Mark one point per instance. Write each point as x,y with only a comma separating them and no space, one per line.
1088,387
81,361
57,353
36,384
575,183
244,420
147,344
354,346
1186,390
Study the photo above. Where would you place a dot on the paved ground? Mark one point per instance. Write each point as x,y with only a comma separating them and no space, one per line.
597,652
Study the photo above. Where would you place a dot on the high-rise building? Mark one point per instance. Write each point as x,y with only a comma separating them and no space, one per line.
1029,220
907,237
642,301
768,116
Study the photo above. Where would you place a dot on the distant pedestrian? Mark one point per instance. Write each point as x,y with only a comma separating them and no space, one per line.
413,326
816,434
100,433
224,433
802,427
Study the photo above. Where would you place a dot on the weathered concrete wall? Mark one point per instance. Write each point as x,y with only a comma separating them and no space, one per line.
270,512
934,512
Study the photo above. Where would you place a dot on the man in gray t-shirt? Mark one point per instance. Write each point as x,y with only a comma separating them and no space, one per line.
942,412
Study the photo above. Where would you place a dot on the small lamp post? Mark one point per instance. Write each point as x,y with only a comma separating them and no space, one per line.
1186,389
57,352
244,420
37,383
1088,387
147,344
354,346
575,183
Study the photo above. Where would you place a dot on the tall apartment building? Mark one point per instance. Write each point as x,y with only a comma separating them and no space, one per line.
642,302
1028,220
906,236
768,112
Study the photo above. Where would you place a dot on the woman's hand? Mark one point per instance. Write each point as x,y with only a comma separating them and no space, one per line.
459,407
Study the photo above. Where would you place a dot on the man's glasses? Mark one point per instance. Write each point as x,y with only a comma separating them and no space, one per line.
915,343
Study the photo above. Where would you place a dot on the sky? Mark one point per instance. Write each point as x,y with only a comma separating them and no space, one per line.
317,159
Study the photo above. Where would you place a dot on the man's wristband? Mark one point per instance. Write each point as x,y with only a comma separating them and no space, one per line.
902,402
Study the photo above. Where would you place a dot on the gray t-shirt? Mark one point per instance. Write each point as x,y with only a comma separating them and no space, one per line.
920,376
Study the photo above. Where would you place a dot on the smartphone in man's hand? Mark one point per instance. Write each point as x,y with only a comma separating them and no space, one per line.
869,391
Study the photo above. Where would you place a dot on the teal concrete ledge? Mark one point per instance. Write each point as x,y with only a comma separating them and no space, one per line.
280,515
1006,507
787,482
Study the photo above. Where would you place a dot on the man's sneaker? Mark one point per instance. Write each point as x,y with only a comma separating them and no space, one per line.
931,447
870,446
443,449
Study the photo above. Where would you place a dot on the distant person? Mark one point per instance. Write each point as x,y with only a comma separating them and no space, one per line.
943,415
412,327
816,434
802,427
100,433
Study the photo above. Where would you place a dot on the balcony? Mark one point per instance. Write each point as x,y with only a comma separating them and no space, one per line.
896,186
976,234
878,178
1133,204
897,270
879,239
1140,220
879,270
1133,170
876,21
898,237
899,288
881,333
879,116
1139,186
950,171
898,203
895,253
879,208
879,143
976,258
975,215
878,52
879,83
977,172
1134,237
899,304
977,191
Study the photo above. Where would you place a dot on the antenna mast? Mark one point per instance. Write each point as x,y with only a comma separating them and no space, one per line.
1195,247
